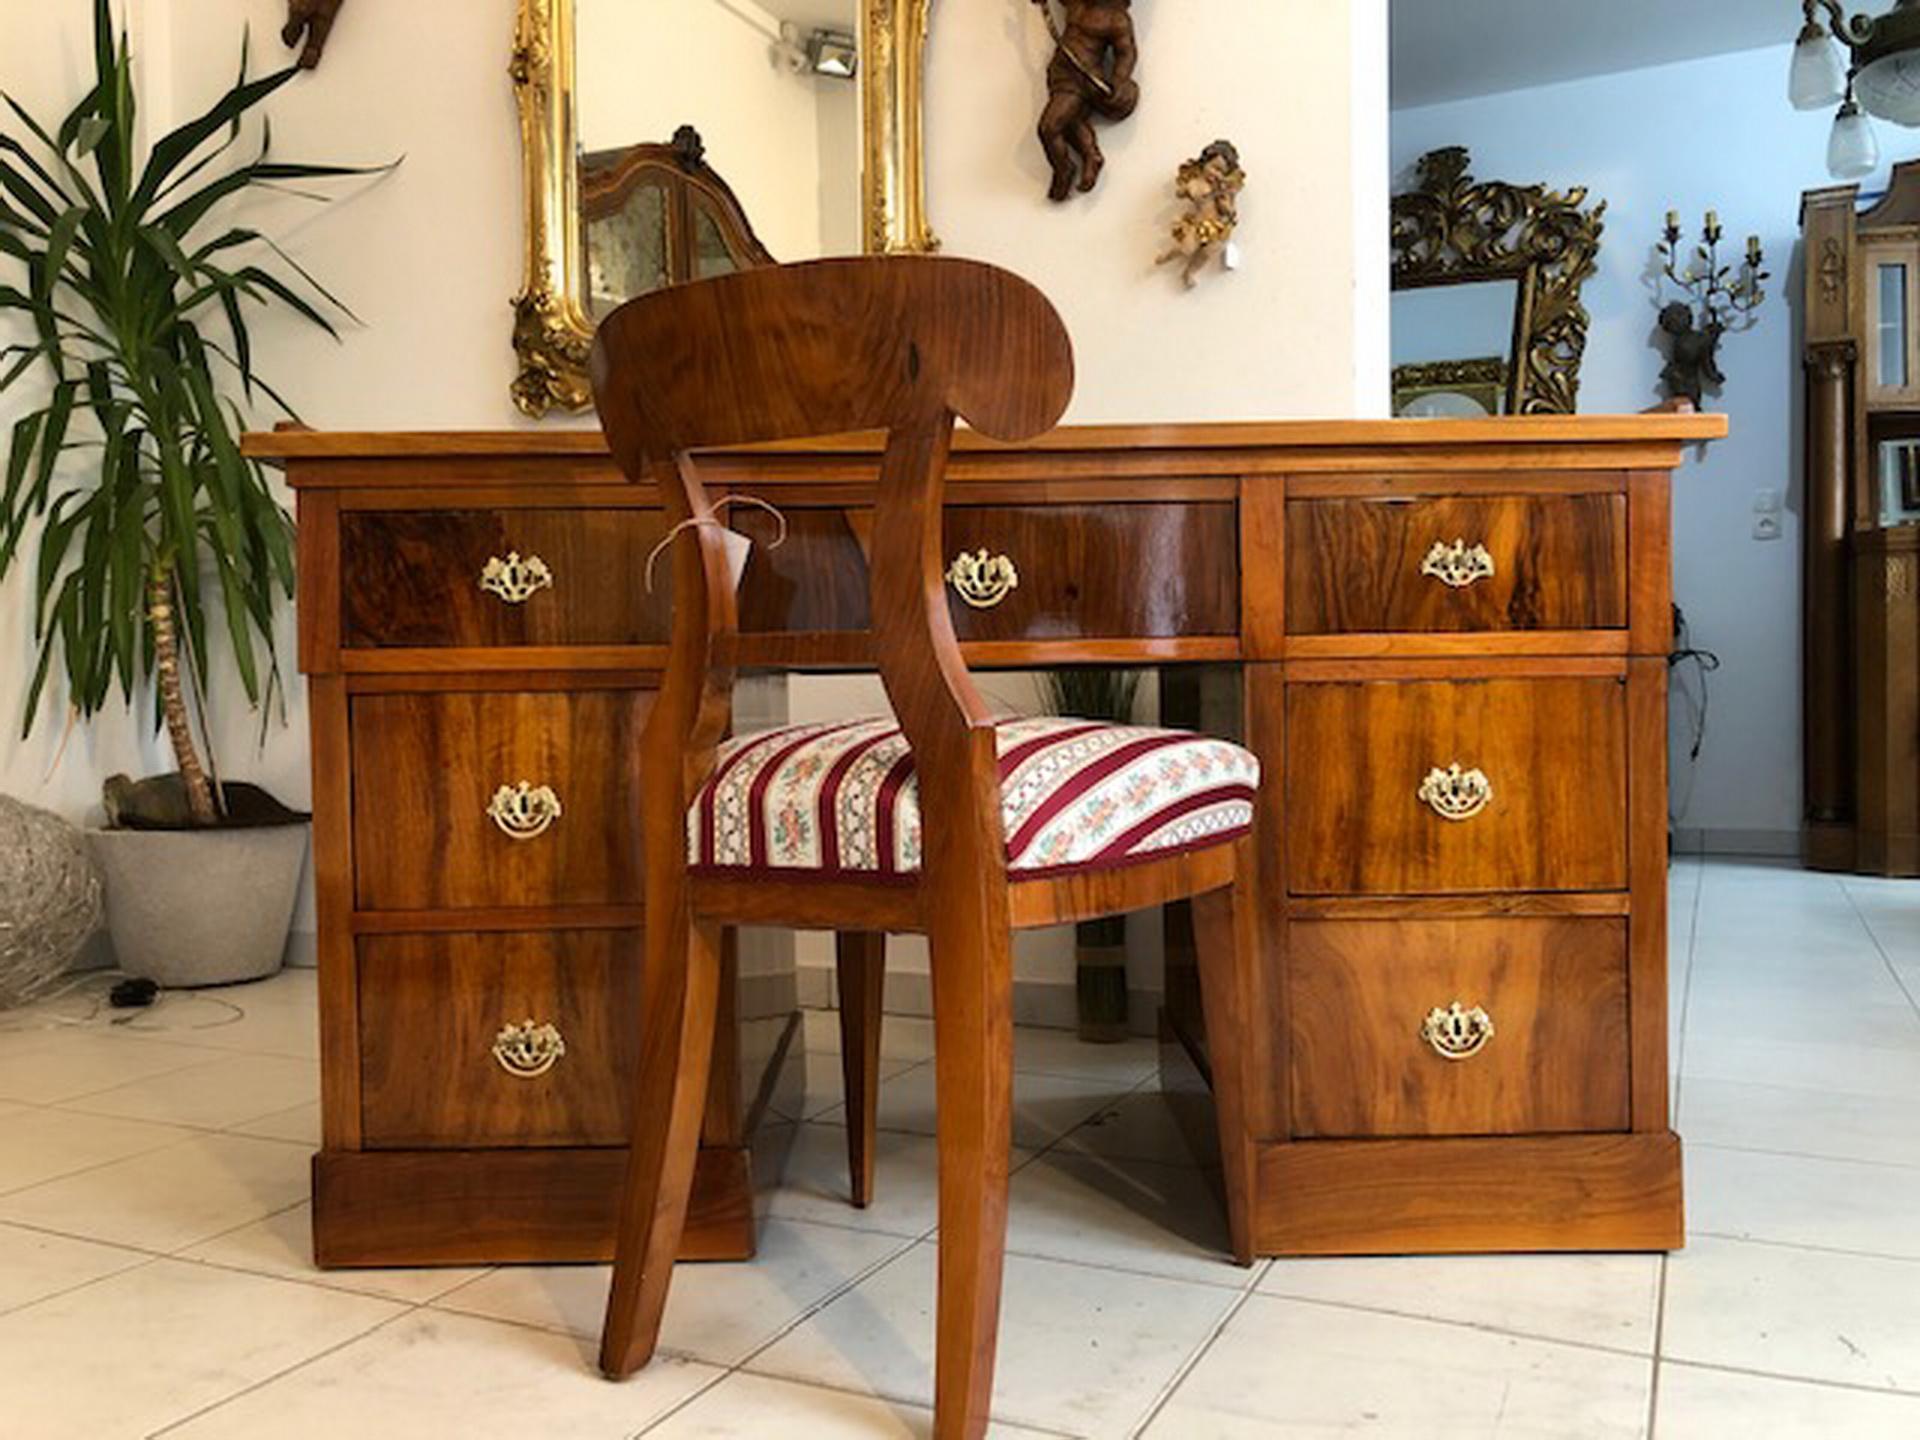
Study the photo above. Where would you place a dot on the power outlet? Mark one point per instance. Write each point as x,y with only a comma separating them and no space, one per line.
1766,514
1766,527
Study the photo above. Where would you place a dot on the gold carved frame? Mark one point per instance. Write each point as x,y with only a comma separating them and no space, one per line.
1454,229
551,332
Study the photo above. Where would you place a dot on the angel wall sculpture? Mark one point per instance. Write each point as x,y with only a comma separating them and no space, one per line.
1091,74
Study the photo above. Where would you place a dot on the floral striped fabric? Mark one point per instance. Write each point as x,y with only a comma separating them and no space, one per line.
840,799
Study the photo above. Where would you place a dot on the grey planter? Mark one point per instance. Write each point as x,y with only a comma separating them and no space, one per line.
200,907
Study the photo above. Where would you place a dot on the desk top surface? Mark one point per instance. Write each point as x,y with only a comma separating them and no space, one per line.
1534,430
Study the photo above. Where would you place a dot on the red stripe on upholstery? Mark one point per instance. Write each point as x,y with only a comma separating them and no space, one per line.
757,792
1086,778
711,790
883,808
1026,749
1122,845
829,807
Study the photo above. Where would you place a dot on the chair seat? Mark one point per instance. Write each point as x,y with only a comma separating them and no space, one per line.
840,800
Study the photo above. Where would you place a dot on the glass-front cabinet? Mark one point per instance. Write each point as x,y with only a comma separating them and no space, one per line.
1892,272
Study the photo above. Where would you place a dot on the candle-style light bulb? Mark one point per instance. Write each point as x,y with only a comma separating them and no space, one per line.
1753,249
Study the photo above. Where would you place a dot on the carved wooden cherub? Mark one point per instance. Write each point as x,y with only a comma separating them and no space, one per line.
1693,354
312,19
1210,186
1091,74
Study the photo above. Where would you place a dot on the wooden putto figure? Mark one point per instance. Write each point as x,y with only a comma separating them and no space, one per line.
1209,185
1091,74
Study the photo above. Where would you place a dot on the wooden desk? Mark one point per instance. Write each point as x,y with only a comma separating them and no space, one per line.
1398,598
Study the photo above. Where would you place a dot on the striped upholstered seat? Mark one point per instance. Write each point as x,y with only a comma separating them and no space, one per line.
840,799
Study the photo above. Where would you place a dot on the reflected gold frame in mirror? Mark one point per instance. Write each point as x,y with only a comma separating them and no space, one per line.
551,332
1454,230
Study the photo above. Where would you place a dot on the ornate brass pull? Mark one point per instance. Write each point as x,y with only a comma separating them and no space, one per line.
524,811
1455,1032
982,580
1458,564
529,1049
1456,794
515,580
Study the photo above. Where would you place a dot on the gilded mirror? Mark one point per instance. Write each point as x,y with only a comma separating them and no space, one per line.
669,140
1487,318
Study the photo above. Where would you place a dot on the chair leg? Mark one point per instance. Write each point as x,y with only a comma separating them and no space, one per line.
861,959
973,1078
1225,930
680,993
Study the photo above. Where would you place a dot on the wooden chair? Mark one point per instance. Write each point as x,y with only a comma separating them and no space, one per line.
900,344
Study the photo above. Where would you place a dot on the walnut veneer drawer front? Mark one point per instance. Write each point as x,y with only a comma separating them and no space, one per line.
496,1039
1458,1027
500,577
1481,562
496,798
1433,787
1024,572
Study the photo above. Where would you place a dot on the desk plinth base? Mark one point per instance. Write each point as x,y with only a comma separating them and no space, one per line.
1474,1195
501,1207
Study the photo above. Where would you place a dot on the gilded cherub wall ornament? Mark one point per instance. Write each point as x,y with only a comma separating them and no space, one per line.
1091,74
1209,185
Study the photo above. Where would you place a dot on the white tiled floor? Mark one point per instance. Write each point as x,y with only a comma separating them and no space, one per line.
155,1275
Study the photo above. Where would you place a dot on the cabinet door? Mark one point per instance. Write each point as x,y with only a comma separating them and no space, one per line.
1893,307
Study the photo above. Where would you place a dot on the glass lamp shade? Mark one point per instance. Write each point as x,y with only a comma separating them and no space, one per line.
1852,151
1890,87
1816,79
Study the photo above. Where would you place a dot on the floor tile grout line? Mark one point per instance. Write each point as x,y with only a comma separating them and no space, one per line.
1659,1340
1186,1368
1809,1154
1804,1248
405,1311
1880,948
144,1260
1478,1327
1913,1395
1677,1061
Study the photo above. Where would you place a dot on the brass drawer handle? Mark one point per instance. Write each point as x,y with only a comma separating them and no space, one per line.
515,580
1456,794
528,1050
1458,564
982,580
1455,1032
524,811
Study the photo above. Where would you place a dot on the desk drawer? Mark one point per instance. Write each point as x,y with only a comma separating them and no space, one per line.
456,1049
1139,570
1431,787
1457,563
1538,1043
442,578
432,830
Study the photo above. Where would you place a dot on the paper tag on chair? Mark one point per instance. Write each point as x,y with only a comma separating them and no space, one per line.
739,547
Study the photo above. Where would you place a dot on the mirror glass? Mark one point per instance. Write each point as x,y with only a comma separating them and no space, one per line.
769,91
1453,348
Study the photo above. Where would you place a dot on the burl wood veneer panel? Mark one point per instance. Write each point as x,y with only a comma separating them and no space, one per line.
412,578
1359,991
427,764
1559,563
431,1005
1553,750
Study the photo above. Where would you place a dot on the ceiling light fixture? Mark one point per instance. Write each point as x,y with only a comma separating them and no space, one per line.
1881,76
835,53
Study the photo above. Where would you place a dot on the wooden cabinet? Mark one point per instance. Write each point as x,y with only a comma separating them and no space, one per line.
1860,602
1452,1033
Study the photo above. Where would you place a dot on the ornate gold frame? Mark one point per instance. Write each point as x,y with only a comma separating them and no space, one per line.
1454,229
551,332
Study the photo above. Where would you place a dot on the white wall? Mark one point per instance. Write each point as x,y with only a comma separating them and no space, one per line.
428,257
1718,134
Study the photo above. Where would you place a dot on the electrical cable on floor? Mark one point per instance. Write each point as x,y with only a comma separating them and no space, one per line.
113,999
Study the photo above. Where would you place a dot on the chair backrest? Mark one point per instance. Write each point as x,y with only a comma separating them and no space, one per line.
901,344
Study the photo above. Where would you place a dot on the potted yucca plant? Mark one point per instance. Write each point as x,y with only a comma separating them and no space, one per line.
156,539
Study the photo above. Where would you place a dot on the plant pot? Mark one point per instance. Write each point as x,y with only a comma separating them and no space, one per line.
201,907
1100,979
